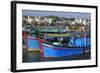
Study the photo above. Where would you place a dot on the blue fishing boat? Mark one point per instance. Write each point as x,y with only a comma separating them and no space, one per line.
57,49
75,48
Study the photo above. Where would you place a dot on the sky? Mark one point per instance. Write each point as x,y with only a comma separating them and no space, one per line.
56,13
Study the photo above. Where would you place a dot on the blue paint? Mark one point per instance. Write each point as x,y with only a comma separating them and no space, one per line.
82,42
88,42
33,44
52,52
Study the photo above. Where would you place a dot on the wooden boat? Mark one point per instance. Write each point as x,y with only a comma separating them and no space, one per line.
54,51
50,50
78,47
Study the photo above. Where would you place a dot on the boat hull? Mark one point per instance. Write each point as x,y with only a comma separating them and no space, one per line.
60,51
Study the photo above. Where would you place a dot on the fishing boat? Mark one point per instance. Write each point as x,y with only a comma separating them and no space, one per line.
57,49
73,47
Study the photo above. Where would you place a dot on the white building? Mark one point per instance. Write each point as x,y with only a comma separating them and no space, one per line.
78,20
29,19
